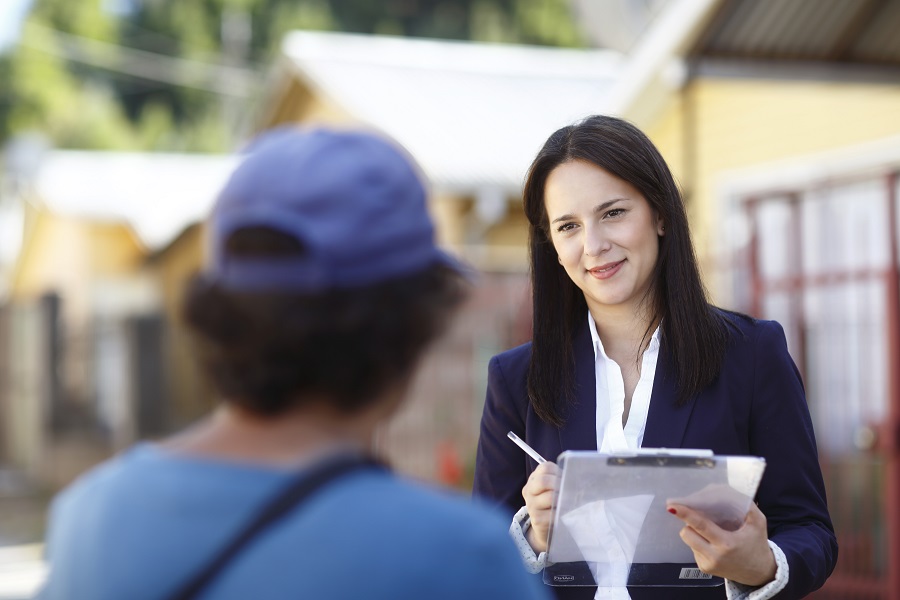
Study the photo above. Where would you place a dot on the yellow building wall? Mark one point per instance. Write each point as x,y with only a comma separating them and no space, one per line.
716,125
451,217
507,241
503,247
174,267
296,102
65,255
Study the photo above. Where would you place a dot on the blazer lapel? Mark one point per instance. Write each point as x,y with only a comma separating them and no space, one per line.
580,429
666,423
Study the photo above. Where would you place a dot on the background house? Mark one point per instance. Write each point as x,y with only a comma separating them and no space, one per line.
90,362
110,239
782,122
473,115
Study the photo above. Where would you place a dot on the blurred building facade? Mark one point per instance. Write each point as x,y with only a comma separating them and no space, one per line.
781,120
89,358
93,343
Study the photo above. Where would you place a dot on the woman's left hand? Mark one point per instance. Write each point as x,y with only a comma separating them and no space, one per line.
742,556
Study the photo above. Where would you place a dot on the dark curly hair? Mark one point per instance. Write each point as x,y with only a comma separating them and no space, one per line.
268,352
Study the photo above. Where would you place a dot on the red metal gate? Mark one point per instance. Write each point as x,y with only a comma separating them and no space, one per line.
823,261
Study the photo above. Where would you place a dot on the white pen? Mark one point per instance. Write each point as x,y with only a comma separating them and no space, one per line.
528,449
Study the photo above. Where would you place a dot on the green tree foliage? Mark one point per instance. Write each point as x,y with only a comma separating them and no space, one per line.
86,72
48,93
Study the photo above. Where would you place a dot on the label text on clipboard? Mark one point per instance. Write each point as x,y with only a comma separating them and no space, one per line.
693,574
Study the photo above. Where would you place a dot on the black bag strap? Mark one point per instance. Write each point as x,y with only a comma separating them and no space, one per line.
293,494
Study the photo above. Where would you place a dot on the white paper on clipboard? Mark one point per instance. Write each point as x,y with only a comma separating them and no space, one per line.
611,527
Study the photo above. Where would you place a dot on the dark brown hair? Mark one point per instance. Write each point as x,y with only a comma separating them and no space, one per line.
693,333
267,352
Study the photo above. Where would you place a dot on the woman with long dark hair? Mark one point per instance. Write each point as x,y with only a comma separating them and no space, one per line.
627,352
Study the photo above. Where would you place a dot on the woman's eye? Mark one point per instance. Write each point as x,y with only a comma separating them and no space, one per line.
616,212
565,227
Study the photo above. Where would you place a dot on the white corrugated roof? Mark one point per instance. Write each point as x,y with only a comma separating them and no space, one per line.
158,195
473,114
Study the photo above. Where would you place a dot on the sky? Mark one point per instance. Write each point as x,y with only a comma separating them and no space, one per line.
11,13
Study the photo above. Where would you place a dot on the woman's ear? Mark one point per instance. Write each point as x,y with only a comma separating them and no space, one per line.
660,227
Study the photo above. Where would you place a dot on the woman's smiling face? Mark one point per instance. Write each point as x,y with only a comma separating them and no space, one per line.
605,233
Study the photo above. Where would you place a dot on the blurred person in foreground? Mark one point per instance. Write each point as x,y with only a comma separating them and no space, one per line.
323,290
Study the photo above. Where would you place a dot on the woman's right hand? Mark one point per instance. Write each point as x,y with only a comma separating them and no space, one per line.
538,492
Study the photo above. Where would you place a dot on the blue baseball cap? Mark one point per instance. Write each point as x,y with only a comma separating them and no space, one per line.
354,200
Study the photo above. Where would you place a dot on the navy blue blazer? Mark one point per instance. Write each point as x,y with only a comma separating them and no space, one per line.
756,406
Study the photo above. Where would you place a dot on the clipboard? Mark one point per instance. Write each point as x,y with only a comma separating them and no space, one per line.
610,525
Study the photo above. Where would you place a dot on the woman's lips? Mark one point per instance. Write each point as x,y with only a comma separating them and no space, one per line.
606,271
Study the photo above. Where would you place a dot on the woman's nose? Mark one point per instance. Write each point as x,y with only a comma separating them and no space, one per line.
595,243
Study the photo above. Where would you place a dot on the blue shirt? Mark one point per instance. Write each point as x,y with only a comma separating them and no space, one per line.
140,525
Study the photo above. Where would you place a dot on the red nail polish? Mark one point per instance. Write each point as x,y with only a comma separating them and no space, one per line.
673,511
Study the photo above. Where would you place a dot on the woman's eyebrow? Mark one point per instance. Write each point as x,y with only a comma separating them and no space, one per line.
607,204
598,208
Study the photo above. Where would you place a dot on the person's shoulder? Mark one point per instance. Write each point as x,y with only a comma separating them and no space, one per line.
417,512
747,332
509,369
438,526
514,357
427,501
103,479
745,326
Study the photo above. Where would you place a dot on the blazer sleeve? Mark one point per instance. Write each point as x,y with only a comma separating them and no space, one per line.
792,493
500,466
